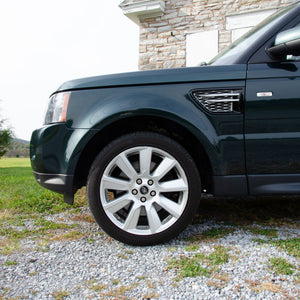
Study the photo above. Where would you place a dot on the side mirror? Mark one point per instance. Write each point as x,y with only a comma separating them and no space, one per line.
286,43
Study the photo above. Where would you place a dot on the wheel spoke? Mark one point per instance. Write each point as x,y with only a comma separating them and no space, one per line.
164,167
153,219
170,206
117,204
177,185
124,164
112,183
145,161
132,218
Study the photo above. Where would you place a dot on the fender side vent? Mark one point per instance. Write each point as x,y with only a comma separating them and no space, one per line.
219,101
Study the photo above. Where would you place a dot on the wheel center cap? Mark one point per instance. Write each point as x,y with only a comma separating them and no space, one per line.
144,190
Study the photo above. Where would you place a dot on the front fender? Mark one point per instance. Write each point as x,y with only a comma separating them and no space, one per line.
220,135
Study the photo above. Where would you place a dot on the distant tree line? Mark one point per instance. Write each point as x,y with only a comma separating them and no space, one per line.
18,148
5,138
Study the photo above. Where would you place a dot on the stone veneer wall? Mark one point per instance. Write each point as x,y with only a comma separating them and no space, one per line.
163,39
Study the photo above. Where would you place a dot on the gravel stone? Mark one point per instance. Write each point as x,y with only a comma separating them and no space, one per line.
98,267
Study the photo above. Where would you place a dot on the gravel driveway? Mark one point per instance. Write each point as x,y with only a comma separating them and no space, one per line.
82,262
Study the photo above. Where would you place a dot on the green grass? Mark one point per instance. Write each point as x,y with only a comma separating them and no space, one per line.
192,247
8,162
10,263
41,227
23,200
59,295
271,233
199,264
21,193
211,234
291,246
189,267
281,266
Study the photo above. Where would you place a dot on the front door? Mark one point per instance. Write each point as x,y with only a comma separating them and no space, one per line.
272,127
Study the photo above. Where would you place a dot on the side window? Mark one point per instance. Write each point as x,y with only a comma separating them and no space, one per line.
269,52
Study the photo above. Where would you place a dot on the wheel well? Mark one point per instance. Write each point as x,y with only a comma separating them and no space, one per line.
144,123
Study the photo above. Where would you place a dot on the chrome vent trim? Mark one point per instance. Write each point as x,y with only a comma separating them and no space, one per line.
219,101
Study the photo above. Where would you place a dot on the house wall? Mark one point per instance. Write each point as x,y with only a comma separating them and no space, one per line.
164,40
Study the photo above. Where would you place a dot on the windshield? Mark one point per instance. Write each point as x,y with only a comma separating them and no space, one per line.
236,50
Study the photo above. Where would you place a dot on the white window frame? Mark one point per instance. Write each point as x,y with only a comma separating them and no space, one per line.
239,24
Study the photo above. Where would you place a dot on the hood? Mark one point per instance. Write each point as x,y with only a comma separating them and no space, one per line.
167,76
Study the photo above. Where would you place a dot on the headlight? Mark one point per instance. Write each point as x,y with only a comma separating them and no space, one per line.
57,108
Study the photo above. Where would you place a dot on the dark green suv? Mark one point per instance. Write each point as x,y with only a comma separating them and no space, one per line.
148,144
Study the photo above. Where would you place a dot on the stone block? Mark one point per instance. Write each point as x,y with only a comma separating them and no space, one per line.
165,28
169,64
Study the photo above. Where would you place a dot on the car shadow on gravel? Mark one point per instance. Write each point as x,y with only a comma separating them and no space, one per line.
273,211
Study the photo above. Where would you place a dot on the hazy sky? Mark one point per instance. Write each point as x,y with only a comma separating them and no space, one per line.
47,42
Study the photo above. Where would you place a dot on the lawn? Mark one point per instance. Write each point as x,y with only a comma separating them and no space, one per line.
20,193
23,201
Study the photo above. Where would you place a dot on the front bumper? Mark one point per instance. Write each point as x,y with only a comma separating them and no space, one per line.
50,159
59,183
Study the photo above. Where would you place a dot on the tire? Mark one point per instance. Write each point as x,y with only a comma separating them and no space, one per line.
143,188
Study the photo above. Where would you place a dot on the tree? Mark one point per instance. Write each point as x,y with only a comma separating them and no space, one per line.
5,138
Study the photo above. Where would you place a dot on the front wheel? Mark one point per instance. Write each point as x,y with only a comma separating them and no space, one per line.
143,188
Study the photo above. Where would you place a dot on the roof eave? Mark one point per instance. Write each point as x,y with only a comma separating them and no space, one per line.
143,9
